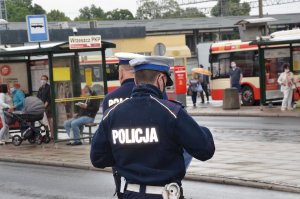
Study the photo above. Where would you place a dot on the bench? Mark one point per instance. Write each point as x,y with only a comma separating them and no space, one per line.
89,125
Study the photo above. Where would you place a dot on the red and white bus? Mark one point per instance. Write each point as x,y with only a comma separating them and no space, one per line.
94,63
246,55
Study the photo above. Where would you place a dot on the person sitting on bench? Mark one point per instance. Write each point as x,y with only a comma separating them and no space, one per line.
86,114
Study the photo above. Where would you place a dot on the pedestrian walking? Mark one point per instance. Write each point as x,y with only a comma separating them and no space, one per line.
287,83
236,77
195,86
204,80
143,137
5,101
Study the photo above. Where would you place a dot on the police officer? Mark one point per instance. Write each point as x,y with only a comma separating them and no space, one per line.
143,137
126,78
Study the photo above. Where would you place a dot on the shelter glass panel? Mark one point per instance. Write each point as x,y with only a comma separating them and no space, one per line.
62,70
296,60
274,60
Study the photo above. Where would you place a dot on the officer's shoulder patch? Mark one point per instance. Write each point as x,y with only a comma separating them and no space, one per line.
173,108
108,111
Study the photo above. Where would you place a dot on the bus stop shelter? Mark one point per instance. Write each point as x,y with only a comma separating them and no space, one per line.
49,52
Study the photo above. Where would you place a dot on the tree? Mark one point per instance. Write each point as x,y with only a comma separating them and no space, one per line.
18,9
56,15
37,10
92,13
192,12
231,8
167,9
149,10
171,9
116,14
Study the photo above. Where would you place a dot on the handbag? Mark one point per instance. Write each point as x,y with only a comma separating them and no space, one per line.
189,91
199,88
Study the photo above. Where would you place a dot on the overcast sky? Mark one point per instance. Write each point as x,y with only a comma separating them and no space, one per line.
71,7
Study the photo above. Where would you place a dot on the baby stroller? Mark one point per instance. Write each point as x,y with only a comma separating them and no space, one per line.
31,127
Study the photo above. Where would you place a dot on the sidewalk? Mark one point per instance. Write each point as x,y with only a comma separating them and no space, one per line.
255,164
214,108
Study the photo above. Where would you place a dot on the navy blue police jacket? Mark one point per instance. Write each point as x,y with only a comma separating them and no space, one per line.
119,94
143,138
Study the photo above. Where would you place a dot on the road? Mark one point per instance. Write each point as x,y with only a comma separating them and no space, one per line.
254,123
267,129
22,181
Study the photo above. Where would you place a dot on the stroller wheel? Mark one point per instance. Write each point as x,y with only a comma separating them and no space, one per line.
46,139
31,140
17,140
39,139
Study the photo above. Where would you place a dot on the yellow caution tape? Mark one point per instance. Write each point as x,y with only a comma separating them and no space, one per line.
73,99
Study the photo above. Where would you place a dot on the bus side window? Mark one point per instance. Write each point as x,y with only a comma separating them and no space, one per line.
215,66
245,61
220,65
224,67
256,70
224,60
82,77
112,72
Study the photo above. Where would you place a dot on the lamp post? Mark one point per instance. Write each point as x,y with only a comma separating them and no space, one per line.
260,8
3,22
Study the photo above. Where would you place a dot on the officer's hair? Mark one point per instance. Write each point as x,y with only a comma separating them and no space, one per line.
146,76
127,67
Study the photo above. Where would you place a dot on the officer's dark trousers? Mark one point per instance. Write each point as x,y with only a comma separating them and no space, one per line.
205,90
134,195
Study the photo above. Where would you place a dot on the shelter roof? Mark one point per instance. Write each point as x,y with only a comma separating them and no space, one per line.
45,48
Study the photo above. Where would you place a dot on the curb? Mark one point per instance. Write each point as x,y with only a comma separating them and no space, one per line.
201,178
244,183
238,114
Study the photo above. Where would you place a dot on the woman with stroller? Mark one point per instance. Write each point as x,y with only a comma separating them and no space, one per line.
44,95
18,97
4,104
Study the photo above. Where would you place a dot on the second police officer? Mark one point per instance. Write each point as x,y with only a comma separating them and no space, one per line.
143,137
126,78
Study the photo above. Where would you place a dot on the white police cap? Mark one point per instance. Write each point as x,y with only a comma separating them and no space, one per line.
125,57
157,63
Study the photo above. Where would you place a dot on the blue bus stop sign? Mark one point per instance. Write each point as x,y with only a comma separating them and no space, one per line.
37,28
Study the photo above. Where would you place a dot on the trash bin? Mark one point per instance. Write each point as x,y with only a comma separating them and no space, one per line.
231,99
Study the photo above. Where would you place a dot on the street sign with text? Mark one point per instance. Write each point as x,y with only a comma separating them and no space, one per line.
85,42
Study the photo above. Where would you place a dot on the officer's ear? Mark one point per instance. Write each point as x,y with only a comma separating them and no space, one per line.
162,77
120,73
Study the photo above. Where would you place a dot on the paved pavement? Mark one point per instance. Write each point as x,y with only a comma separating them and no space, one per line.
214,108
264,164
256,163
